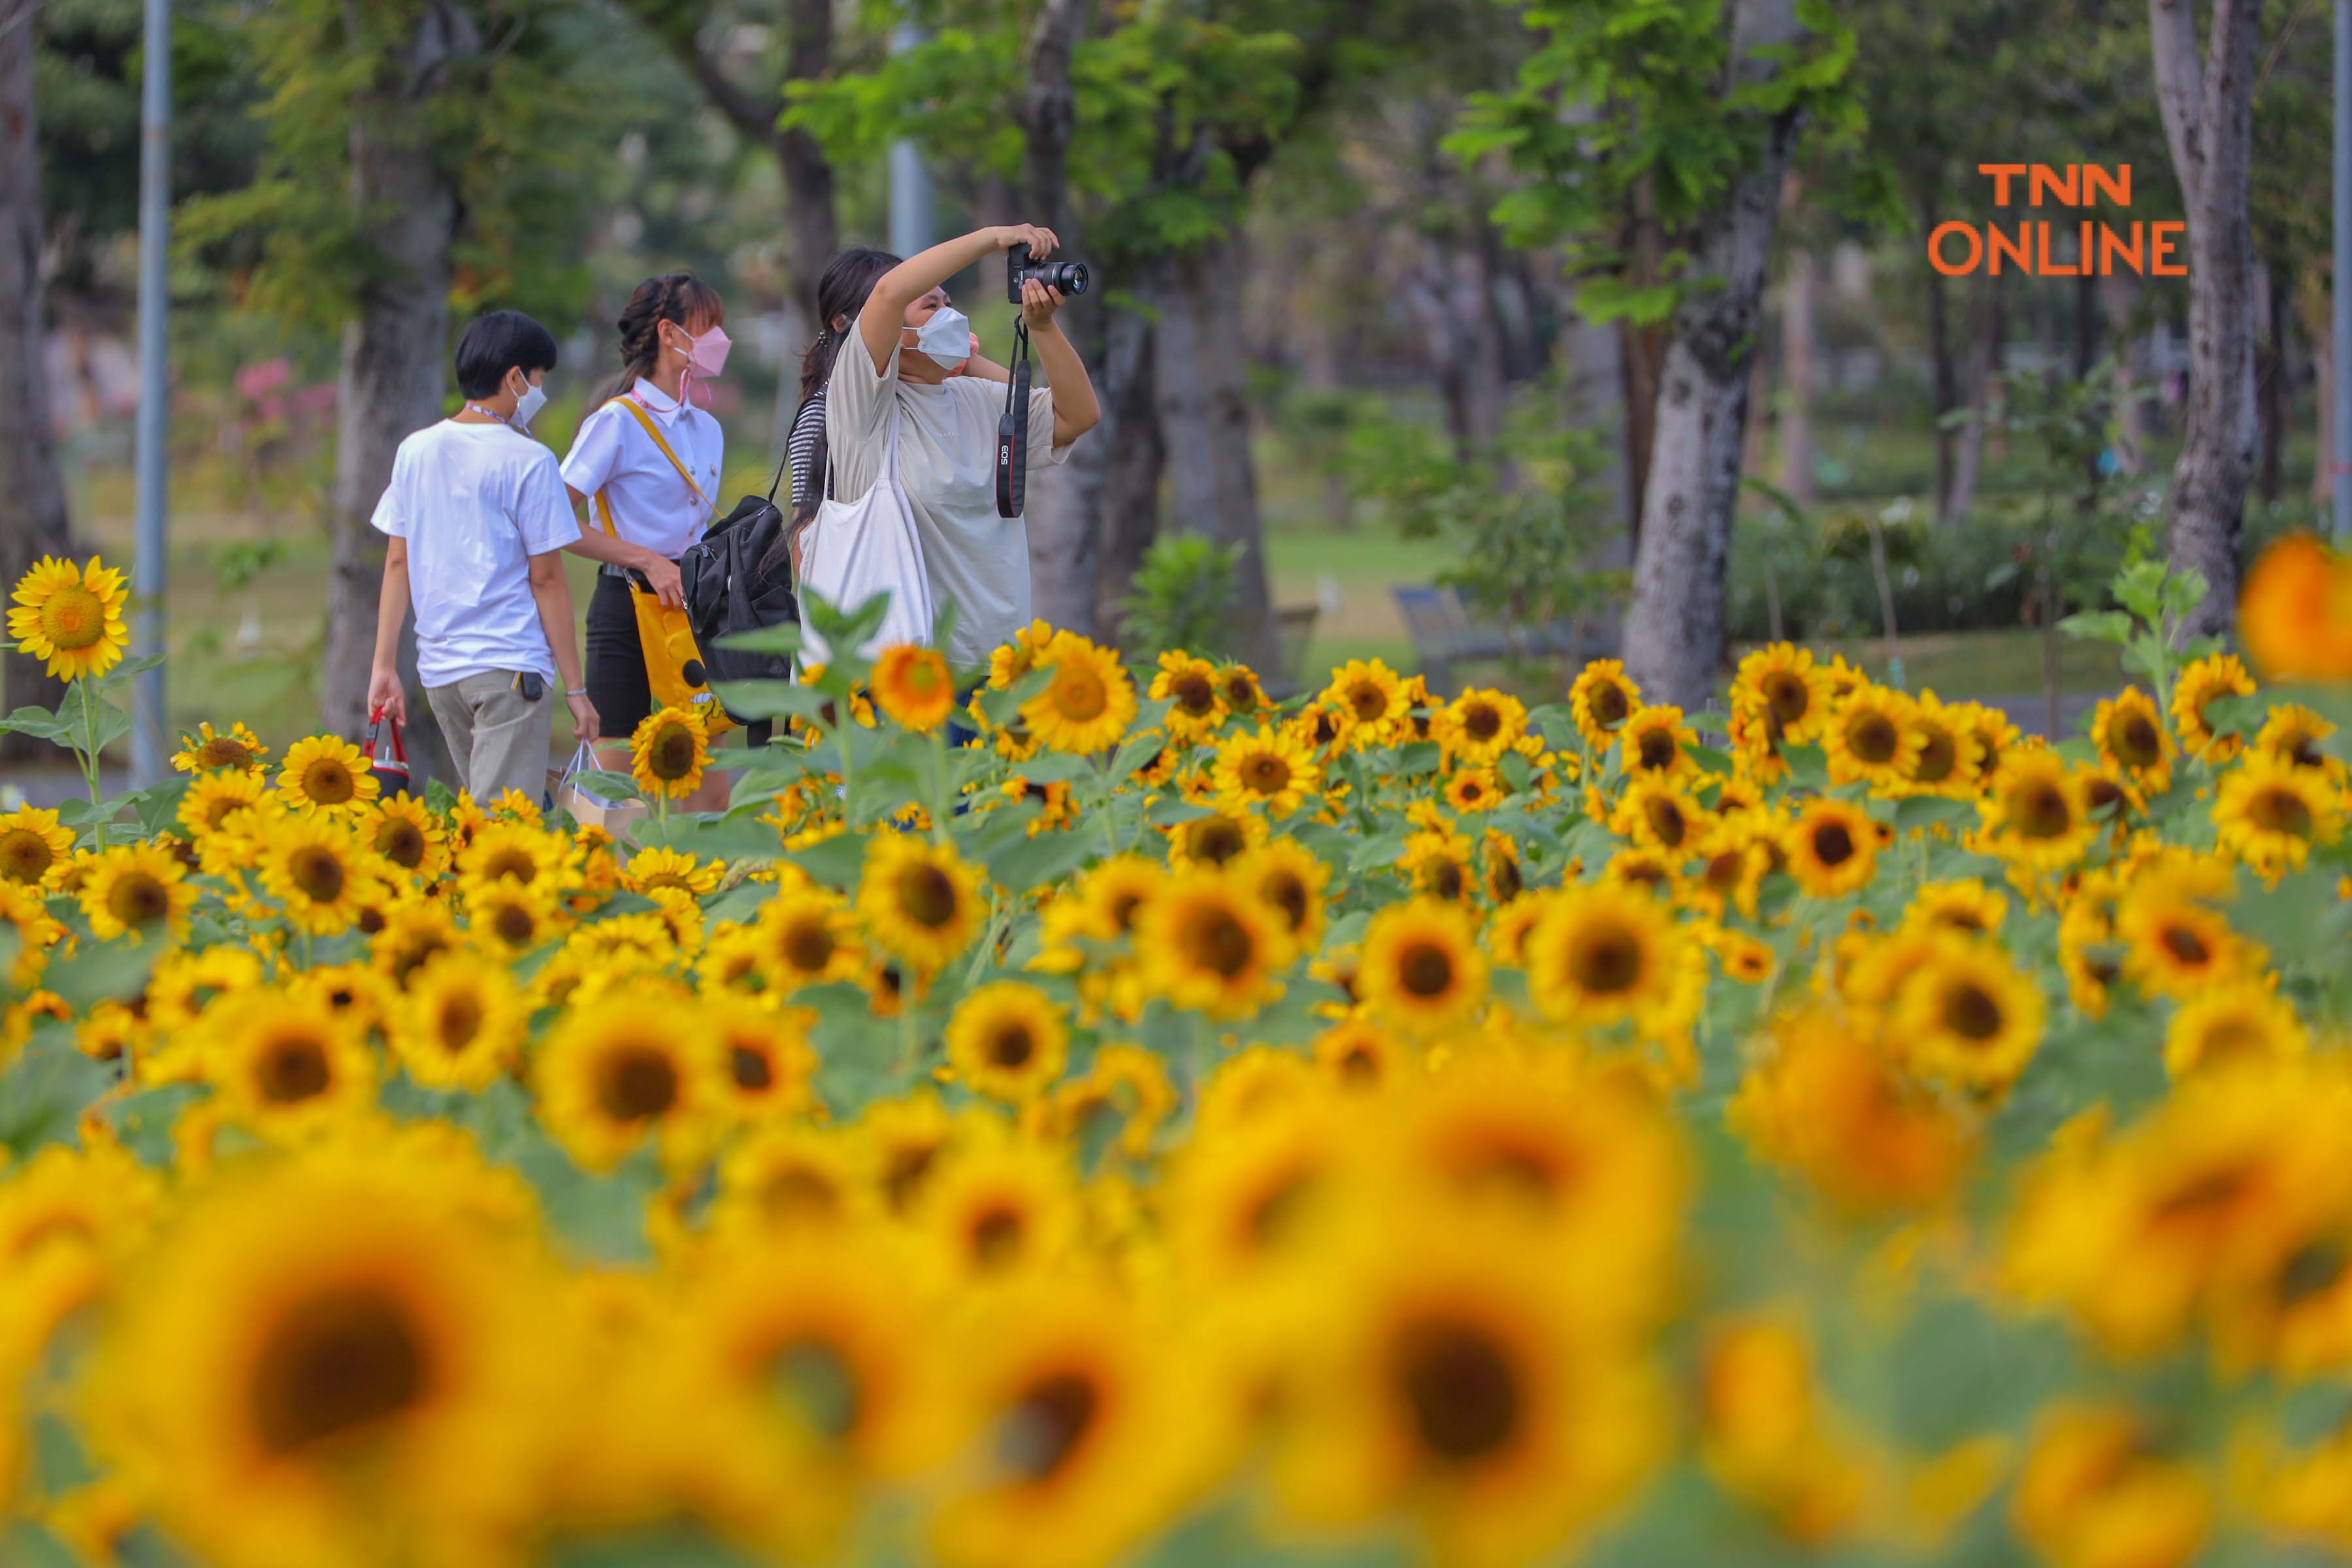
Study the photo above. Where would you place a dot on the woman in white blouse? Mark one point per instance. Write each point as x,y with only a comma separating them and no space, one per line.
672,333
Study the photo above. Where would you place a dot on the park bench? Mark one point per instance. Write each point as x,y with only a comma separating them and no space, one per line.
1444,636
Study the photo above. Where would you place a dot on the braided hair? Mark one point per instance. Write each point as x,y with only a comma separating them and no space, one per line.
841,293
677,297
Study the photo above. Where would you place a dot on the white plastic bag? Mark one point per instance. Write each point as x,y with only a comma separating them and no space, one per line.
859,548
566,792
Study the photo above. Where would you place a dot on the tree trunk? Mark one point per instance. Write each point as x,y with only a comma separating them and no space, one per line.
1132,463
1797,294
1641,361
1990,318
2270,381
1065,503
33,522
1596,397
2313,307
2118,293
392,377
2208,112
813,231
1674,630
1947,386
1205,415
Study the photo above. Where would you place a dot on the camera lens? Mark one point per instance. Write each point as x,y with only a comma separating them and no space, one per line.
1069,277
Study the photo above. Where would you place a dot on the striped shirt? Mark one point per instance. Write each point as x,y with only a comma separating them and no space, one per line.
808,429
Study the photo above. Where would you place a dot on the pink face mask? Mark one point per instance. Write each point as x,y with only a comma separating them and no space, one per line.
707,353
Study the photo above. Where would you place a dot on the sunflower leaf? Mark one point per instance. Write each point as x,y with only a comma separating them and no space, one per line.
1134,751
608,787
1921,810
772,699
835,862
34,720
1707,757
1052,767
1033,862
1421,757
1516,771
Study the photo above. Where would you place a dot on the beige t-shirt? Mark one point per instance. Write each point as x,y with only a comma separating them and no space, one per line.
977,561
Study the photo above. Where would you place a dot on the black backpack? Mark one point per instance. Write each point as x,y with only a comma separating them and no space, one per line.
726,591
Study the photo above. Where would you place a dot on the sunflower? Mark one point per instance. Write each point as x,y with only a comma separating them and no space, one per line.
2132,739
2270,814
1291,878
1215,839
212,806
512,919
1124,1091
1196,703
34,848
1482,724
2203,682
2173,945
1946,760
1507,927
140,890
462,1023
2233,1025
997,1206
1505,878
1732,862
1473,790
1783,681
329,1355
2093,1491
1074,1410
914,686
404,831
1870,738
1007,1041
1966,906
2296,612
805,936
1361,1056
1368,698
414,933
283,1067
651,868
906,1137
1965,1015
770,1065
516,852
1089,701
919,900
1832,847
1655,813
1600,700
70,616
1243,693
2294,734
1655,742
788,1175
1270,768
668,751
1603,952
324,772
1209,944
1420,969
636,1066
2038,813
1459,1378
238,749
320,874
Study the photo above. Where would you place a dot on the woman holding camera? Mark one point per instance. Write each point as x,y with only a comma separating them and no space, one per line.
892,346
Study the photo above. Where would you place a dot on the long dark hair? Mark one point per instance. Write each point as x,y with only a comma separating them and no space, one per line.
841,293
677,297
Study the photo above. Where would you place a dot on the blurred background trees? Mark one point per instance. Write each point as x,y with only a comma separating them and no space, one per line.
1509,298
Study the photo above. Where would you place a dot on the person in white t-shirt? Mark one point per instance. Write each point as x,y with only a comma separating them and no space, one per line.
478,522
673,333
900,346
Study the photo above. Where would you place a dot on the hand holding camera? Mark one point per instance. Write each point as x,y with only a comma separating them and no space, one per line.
1025,248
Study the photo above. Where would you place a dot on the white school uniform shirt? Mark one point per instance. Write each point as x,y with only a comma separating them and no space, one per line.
475,503
975,559
651,505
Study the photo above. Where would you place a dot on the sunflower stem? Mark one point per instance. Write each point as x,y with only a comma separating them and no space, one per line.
908,1041
86,755
939,802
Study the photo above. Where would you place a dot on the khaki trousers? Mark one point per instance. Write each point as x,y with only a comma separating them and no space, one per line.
497,741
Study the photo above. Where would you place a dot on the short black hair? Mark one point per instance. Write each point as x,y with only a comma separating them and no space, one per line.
496,343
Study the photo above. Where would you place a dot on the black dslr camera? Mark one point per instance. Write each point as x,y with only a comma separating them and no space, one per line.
1069,277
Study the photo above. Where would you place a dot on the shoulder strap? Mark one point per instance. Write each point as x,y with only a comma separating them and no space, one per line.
637,411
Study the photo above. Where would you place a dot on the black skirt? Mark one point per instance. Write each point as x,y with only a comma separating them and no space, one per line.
616,661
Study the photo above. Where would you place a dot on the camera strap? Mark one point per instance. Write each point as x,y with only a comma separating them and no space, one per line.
1013,430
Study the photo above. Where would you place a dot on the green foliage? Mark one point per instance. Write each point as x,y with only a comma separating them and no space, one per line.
1183,597
1628,103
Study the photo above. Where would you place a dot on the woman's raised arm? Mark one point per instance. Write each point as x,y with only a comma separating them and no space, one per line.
885,315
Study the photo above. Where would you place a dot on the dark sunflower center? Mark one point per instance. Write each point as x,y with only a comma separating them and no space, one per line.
337,1362
927,895
292,1071
1367,703
1832,845
1610,705
797,1190
1604,962
1194,693
2281,811
1266,774
1220,944
2042,812
460,1021
414,955
1461,1388
1788,696
221,752
327,783
1217,839
513,864
1425,970
671,755
809,945
1360,1065
319,872
514,924
639,1082
1122,911
1012,1046
1445,878
816,1381
1667,822
1939,755
24,854
1971,1012
1503,872
1048,1424
2186,946
1240,693
1656,750
2136,742
1483,723
138,898
1872,738
1079,695
750,1067
1288,894
400,842
996,1236
2311,1271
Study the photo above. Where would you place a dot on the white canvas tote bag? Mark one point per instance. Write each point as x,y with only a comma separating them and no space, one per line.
859,548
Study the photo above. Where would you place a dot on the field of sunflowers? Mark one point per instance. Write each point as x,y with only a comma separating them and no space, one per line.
1179,1128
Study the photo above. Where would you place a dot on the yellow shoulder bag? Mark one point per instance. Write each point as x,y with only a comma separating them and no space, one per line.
674,668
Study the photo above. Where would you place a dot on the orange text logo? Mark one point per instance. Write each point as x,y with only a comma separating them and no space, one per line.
2059,247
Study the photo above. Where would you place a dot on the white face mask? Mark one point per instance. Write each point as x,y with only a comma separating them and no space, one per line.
946,337
527,406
